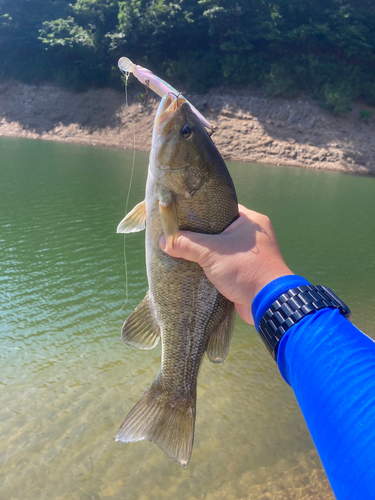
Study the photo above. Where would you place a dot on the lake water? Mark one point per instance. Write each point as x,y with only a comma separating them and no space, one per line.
66,378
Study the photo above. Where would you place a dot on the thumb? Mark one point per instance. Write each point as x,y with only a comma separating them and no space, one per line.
188,245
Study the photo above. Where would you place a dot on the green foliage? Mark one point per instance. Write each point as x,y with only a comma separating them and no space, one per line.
280,82
368,91
365,115
20,51
325,48
338,98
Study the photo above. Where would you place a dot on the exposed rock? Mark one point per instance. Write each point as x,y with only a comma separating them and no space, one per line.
251,128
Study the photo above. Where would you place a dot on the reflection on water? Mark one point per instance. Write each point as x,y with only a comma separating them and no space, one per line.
66,379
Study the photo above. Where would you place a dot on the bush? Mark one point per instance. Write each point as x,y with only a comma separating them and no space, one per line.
280,82
365,115
369,93
197,71
338,97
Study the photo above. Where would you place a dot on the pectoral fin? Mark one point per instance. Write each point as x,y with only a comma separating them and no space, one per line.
141,330
169,219
219,341
134,220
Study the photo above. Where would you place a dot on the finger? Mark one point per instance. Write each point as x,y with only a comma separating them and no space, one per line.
189,246
249,214
244,311
245,216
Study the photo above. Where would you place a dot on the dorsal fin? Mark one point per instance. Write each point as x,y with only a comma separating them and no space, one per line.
219,341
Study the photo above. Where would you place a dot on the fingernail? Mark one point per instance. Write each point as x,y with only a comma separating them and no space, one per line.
163,242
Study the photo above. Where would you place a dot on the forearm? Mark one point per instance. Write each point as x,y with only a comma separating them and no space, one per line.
330,365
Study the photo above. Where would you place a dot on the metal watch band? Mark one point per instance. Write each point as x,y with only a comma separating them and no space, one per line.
291,307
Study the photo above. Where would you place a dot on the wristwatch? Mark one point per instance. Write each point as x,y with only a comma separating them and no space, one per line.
291,307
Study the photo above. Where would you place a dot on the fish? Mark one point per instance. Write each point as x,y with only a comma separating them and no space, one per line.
188,188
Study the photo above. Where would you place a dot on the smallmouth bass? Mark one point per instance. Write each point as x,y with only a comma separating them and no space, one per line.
188,188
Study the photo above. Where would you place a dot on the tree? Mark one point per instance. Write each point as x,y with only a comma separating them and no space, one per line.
20,50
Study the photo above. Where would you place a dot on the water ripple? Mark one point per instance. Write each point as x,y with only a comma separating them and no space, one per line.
67,380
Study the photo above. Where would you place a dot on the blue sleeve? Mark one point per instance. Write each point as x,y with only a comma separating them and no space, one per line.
330,365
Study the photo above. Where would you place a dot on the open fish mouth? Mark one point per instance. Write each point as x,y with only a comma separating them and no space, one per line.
164,121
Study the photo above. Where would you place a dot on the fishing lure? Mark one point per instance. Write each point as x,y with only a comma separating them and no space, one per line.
156,84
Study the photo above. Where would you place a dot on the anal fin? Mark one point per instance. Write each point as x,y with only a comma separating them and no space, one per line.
134,221
219,341
141,330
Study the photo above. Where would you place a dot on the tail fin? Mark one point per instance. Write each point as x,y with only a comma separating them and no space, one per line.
164,420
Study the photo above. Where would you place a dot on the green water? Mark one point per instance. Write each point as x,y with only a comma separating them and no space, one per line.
67,380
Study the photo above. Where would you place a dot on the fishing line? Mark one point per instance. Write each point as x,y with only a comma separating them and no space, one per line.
126,74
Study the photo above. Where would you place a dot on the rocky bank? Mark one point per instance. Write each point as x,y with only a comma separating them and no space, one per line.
252,128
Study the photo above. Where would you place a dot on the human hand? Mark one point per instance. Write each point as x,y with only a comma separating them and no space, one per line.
239,262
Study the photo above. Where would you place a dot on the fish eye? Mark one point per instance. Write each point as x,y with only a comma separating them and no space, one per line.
186,131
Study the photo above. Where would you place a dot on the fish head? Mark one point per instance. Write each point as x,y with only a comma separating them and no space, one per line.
183,155
176,136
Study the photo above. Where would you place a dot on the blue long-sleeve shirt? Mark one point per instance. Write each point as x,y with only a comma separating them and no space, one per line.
330,365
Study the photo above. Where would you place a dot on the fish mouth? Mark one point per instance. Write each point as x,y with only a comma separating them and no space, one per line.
164,121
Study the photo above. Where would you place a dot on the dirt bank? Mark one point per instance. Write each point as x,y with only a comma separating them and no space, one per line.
251,128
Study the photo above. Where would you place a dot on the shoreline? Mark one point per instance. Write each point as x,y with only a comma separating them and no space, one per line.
252,128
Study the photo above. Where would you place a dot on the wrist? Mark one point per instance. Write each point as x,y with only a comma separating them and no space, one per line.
244,308
268,276
271,291
285,302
